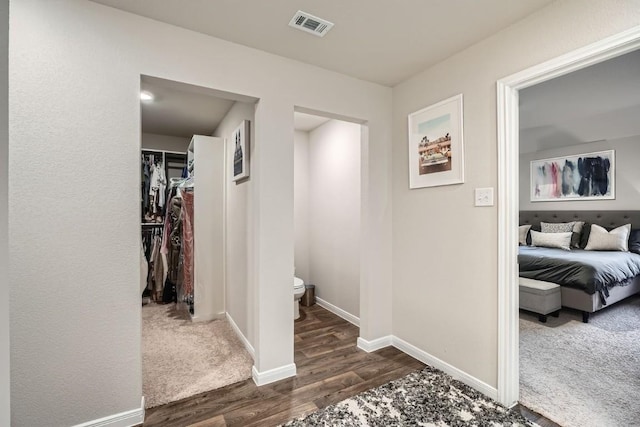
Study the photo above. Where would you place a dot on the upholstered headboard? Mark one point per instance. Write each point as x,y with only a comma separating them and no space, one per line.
608,219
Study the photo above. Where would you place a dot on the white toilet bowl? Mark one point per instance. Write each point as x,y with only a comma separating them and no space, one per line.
298,291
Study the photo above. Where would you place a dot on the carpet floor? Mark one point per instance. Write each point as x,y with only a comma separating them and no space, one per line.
423,398
181,358
583,374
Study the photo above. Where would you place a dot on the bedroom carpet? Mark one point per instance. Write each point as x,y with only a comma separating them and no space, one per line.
583,374
181,358
423,398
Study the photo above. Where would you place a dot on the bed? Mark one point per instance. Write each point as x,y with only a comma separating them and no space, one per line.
589,280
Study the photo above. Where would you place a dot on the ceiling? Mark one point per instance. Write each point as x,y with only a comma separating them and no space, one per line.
601,102
380,41
307,122
184,110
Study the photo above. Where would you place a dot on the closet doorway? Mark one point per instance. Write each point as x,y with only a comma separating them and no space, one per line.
189,343
327,222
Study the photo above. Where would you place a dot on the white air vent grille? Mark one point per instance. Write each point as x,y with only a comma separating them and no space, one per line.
311,24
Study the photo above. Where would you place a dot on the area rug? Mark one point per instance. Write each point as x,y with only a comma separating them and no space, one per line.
181,358
583,374
423,398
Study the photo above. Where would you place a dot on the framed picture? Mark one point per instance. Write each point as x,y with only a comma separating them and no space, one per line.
436,155
240,139
588,176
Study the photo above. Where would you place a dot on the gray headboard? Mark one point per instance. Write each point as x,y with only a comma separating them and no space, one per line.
608,219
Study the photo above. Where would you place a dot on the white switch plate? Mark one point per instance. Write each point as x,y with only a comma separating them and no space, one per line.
484,196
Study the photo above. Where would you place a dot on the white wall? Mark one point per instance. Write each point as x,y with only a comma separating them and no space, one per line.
238,290
301,204
75,317
627,176
154,141
444,248
334,214
4,204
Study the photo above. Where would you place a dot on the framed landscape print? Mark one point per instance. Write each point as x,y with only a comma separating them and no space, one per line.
240,139
436,155
589,176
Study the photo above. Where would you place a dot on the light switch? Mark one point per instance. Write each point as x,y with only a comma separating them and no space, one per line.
484,196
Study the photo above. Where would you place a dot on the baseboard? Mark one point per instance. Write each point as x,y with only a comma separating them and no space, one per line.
240,335
376,344
130,418
338,311
456,373
273,375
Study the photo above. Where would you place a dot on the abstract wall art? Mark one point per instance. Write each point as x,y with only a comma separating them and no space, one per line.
588,176
436,156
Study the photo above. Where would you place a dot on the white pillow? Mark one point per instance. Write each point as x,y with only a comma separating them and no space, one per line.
615,240
551,240
522,234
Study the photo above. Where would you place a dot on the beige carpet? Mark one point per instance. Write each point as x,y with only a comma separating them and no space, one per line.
181,358
583,374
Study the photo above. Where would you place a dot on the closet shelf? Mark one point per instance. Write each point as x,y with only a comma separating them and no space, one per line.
149,224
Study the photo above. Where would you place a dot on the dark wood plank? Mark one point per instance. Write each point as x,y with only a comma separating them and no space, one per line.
330,368
532,416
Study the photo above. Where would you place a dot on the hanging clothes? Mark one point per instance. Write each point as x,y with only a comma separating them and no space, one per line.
187,241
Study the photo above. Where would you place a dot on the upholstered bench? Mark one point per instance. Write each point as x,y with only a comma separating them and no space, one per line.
540,297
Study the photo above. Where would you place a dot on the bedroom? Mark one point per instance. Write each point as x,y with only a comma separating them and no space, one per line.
567,364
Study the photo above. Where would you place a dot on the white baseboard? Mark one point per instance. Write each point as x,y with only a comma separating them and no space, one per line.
338,311
130,418
376,344
240,335
273,375
456,373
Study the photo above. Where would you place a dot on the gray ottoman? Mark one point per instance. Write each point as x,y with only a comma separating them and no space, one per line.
540,297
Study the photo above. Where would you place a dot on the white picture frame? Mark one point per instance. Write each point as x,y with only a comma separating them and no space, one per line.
588,176
436,149
240,146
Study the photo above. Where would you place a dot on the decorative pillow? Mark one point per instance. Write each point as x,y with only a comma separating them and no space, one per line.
634,241
584,238
577,234
557,227
523,230
552,240
602,240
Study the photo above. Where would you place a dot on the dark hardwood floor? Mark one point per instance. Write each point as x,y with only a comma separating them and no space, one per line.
330,368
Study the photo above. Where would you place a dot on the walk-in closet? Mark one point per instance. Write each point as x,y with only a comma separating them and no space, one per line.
189,345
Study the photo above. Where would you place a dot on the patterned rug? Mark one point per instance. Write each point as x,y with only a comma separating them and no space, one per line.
422,398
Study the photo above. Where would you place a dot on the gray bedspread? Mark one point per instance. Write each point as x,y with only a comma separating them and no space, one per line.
591,271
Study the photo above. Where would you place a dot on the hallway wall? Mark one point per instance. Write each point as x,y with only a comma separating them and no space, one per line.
74,248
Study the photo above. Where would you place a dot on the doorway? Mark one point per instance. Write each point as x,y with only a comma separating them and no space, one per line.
508,168
189,343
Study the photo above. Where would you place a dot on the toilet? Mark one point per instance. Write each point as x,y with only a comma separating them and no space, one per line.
298,291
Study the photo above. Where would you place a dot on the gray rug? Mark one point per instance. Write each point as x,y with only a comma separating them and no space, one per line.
181,358
422,398
583,374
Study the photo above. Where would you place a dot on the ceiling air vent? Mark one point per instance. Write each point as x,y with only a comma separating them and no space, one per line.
311,24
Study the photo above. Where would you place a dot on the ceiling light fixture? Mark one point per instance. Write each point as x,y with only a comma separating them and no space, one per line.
146,96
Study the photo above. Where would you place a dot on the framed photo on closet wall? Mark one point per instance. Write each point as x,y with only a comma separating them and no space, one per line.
240,139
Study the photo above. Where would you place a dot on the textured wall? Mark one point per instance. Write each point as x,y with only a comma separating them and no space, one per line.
4,205
74,222
444,248
238,291
627,176
334,213
301,204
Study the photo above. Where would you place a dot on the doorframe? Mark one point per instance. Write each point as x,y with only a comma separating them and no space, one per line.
508,189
